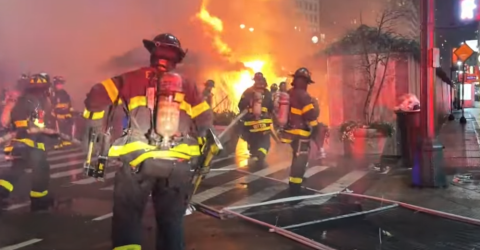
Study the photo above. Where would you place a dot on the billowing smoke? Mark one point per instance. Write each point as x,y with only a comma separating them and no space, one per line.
89,40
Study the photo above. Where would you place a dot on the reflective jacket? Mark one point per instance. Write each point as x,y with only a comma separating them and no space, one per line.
29,111
303,116
252,123
129,90
62,105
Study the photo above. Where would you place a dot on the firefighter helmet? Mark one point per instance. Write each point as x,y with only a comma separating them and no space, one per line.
303,73
273,87
58,80
41,80
258,76
165,40
210,83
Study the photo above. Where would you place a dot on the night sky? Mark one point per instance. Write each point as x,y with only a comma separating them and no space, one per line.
447,16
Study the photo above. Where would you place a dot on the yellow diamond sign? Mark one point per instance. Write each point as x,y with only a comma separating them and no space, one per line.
463,52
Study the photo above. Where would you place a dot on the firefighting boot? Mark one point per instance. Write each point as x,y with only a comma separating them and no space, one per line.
295,189
43,204
4,204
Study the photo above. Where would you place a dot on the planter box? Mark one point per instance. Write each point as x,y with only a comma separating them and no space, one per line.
368,142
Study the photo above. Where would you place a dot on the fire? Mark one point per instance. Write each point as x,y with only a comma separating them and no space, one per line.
234,83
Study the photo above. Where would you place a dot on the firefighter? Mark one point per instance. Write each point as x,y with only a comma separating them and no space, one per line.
258,100
11,97
273,88
207,92
168,120
62,110
301,126
29,149
282,87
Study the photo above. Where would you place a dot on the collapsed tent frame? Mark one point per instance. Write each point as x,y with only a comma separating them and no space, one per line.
229,212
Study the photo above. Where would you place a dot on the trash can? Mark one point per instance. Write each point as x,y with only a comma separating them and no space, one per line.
408,123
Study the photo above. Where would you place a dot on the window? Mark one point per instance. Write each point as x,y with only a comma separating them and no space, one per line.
315,19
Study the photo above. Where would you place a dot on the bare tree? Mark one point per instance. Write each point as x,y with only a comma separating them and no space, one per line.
376,51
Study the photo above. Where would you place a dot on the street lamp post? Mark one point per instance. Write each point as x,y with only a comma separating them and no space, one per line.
428,170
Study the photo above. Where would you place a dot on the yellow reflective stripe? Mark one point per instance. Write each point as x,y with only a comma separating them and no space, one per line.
129,148
129,247
111,89
7,185
295,111
201,140
8,149
179,97
260,129
304,110
21,124
35,194
199,109
183,149
300,132
93,115
264,110
313,123
307,108
295,180
38,123
62,105
263,150
63,116
286,140
137,101
31,143
251,123
187,108
158,155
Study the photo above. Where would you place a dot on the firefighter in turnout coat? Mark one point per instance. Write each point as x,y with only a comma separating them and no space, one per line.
62,109
258,100
168,120
302,125
28,150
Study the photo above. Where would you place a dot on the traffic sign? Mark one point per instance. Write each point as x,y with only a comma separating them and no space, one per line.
463,52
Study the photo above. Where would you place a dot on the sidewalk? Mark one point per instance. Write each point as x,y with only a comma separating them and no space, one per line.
462,154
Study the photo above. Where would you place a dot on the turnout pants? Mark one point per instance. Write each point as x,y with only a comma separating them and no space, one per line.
169,196
65,126
27,157
300,150
258,144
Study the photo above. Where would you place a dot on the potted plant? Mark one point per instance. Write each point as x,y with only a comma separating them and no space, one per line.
364,139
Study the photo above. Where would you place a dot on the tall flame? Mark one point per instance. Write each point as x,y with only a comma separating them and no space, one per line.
238,81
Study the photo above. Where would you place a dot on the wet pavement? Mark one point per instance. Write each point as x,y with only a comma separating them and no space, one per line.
81,216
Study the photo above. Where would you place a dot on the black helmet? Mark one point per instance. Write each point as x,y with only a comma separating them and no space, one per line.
303,73
274,87
165,40
210,83
258,76
58,80
39,81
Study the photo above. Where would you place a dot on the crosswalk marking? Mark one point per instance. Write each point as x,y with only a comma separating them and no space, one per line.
21,244
338,186
210,193
210,175
67,166
7,164
270,192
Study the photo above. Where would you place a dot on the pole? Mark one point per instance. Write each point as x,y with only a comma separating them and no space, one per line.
451,117
428,170
463,120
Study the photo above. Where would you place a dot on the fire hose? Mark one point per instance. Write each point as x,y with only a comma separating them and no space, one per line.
212,147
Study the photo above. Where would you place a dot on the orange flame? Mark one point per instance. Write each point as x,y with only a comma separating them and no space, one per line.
238,81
